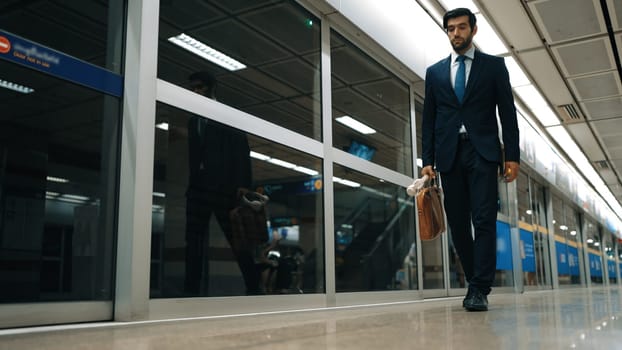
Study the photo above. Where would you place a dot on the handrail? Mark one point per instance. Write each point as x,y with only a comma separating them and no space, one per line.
385,232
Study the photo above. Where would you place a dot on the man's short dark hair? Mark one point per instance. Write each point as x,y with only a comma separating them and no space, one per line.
205,77
207,80
459,12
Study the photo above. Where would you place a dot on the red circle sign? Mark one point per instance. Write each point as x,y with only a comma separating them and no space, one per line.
5,45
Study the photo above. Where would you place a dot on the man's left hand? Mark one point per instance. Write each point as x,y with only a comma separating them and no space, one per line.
510,171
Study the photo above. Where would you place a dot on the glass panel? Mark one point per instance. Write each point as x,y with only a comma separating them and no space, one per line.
376,101
505,270
503,200
593,243
58,147
526,229
567,227
541,242
572,230
457,278
91,30
374,234
525,212
208,240
609,256
431,251
278,42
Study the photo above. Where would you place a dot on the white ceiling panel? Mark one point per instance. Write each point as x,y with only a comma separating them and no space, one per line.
563,20
541,68
613,144
517,28
597,85
585,57
608,176
605,108
615,12
584,137
612,127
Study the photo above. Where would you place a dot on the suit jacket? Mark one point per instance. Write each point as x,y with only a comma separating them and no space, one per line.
488,87
219,158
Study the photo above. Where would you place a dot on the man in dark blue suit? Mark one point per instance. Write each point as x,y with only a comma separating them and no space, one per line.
461,137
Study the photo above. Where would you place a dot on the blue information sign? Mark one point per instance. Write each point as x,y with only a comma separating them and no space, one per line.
30,54
573,261
504,247
562,258
611,268
527,251
596,266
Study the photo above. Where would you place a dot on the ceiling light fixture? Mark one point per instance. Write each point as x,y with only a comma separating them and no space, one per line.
56,179
346,182
538,105
16,87
200,49
356,125
283,163
163,126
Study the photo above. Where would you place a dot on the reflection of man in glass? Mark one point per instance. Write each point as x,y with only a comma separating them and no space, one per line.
219,161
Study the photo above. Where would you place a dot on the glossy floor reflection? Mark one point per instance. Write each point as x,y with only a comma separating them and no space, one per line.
566,319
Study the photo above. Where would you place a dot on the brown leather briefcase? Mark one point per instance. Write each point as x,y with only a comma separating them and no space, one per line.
430,211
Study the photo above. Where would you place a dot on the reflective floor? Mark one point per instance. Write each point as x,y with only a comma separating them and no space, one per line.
566,319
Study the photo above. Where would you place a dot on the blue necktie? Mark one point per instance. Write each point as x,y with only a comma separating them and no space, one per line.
459,84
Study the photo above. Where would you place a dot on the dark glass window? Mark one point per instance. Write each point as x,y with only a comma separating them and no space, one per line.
91,30
364,92
277,44
233,213
58,170
374,234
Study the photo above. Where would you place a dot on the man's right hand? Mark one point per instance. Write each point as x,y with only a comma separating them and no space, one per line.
428,170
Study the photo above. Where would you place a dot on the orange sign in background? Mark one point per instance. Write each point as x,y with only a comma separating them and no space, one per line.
5,45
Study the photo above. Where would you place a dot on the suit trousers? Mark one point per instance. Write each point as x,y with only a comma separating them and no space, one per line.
471,194
200,205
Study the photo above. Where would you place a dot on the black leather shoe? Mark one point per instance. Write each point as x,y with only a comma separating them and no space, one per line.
467,297
477,302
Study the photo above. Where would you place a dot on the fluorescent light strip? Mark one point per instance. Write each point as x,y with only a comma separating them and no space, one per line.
16,87
538,105
517,76
159,194
200,49
487,39
452,4
75,196
356,125
283,163
259,156
69,200
346,182
306,170
57,179
163,126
